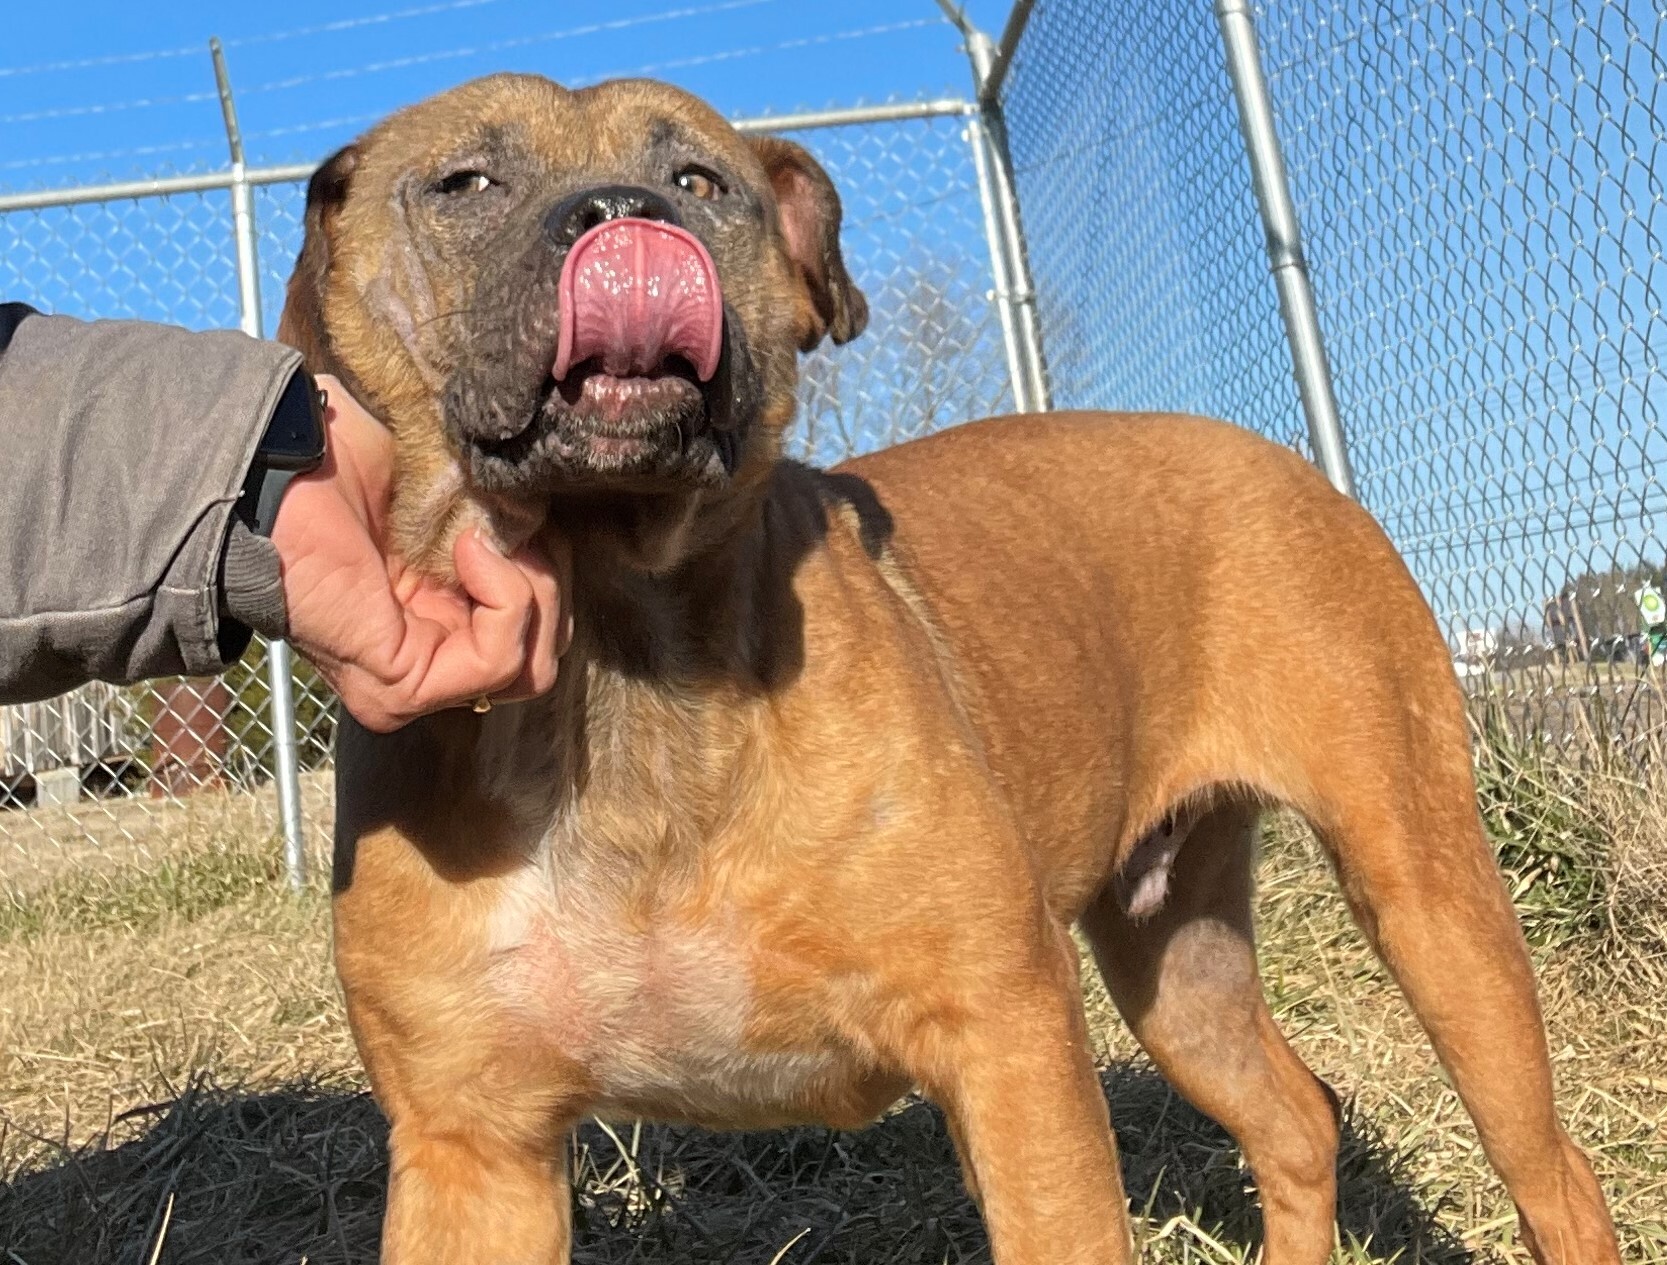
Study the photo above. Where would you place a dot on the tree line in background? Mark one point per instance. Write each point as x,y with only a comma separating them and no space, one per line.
1593,618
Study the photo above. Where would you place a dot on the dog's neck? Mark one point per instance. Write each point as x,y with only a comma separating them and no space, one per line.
697,595
667,685
662,670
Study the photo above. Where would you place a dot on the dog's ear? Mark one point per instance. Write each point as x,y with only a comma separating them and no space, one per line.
809,210
302,324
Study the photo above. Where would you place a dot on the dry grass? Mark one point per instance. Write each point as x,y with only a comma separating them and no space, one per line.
101,835
174,1070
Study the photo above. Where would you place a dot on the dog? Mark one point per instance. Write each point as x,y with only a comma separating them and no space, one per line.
837,760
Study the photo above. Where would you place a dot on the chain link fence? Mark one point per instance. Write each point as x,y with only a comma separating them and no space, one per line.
1480,188
113,773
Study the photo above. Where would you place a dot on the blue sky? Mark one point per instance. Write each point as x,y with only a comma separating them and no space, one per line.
97,89
100,91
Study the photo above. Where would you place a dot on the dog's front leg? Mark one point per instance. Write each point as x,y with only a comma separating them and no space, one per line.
472,1200
1029,1119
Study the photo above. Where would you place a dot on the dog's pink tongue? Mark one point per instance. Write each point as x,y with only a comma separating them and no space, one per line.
634,293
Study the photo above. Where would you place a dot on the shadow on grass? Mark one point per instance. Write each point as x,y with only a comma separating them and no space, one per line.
300,1172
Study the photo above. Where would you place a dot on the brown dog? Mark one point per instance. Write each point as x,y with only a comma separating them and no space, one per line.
836,760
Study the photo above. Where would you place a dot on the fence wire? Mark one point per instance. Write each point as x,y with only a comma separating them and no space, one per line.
1480,187
109,772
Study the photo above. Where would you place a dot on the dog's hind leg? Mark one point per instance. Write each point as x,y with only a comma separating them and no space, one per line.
1419,874
1185,979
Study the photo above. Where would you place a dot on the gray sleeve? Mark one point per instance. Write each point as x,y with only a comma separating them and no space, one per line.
126,445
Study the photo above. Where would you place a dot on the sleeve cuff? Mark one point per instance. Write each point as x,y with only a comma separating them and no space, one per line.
251,589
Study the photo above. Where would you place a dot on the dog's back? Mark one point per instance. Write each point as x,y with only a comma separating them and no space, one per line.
1136,604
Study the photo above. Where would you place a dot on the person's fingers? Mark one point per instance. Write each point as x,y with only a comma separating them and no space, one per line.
488,655
489,578
370,700
497,634
538,672
437,603
549,598
500,589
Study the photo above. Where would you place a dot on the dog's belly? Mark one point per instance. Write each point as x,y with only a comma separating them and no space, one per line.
660,1017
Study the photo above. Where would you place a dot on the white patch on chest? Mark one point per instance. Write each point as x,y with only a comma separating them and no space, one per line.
656,1014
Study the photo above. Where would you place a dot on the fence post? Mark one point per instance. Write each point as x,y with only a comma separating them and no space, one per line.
1000,278
280,674
993,161
1284,242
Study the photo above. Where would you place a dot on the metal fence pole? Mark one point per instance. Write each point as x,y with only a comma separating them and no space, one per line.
1000,277
1284,241
996,170
280,675
1018,17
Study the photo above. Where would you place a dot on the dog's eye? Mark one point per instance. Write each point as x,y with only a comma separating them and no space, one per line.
463,182
704,184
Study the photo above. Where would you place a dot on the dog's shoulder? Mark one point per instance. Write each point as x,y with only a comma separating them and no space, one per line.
844,495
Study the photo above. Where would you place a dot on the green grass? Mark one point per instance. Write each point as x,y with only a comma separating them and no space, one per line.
1551,842
136,900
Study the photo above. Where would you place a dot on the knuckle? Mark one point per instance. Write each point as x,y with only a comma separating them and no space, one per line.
380,722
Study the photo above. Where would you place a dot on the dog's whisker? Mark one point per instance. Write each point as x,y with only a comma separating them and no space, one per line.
444,316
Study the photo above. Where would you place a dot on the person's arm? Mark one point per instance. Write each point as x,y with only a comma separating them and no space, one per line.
126,448
125,445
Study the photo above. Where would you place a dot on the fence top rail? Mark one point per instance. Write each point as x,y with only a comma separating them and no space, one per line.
202,182
989,92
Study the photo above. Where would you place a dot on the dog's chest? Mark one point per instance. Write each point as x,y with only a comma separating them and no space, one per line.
655,1010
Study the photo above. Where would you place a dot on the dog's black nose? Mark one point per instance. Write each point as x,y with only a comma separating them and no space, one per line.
578,213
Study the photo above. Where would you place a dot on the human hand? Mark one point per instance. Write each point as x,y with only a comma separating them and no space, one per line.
395,644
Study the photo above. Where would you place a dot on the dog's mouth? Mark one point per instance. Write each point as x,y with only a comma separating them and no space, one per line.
609,414
640,341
